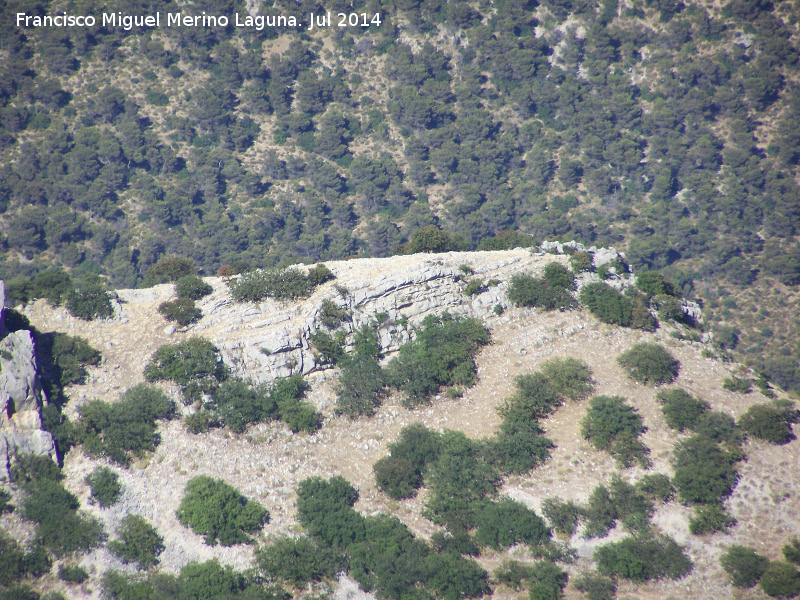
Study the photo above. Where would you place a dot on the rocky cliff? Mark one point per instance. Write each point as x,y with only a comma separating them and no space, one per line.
21,396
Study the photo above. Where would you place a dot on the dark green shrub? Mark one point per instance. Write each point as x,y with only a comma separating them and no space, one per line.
568,377
580,262
216,510
196,359
656,487
442,355
90,300
649,364
64,358
200,421
288,394
558,276
432,239
704,473
525,290
330,349
669,308
168,270
239,404
192,287
533,399
614,426
547,581
681,410
744,566
126,428
360,387
461,543
607,304
324,508
563,516
596,587
507,240
12,560
137,542
718,426
54,285
791,551
72,574
513,573
735,384
770,422
183,311
474,287
653,284
640,314
710,518
505,523
519,446
332,315
418,445
105,486
397,477
299,561
4,504
281,284
780,580
643,558
59,526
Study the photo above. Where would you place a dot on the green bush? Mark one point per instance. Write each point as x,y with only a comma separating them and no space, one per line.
770,422
740,386
90,300
137,542
218,511
607,304
432,239
649,364
519,447
791,551
654,284
558,276
325,509
126,428
105,487
513,574
239,404
281,284
563,516
681,410
525,290
507,240
656,487
669,308
643,558
54,285
194,360
704,473
547,581
613,426
474,287
780,580
533,399
200,421
710,518
620,501
168,270
16,564
568,377
63,358
330,349
719,427
192,287
46,502
299,561
397,477
596,587
332,315
288,394
183,311
442,355
72,574
505,523
580,262
744,566
360,387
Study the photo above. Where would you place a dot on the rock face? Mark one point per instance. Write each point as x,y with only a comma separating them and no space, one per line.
21,396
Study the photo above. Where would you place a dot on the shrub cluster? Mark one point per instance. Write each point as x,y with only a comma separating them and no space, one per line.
771,422
643,558
610,306
104,486
280,284
137,542
382,554
183,310
553,291
218,511
60,528
127,428
649,364
190,363
681,410
168,270
744,566
401,473
89,300
16,563
332,315
299,561
507,240
612,425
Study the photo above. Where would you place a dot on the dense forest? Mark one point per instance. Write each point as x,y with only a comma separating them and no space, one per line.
661,127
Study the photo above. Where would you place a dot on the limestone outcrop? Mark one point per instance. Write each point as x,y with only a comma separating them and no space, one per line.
21,396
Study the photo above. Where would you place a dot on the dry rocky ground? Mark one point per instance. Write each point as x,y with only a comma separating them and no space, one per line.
268,461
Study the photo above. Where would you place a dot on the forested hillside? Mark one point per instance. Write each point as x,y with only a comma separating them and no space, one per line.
667,129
